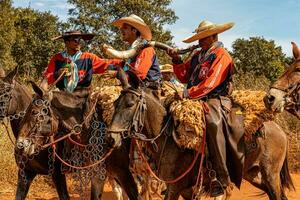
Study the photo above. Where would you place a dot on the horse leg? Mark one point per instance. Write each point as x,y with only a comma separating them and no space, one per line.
274,148
23,186
97,186
117,190
172,192
272,181
59,180
126,181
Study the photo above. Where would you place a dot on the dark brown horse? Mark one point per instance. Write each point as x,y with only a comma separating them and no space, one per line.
61,114
140,115
284,94
14,100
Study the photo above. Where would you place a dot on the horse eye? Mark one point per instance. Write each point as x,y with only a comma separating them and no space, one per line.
130,104
298,69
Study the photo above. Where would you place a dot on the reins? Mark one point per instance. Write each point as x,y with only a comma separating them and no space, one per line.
137,135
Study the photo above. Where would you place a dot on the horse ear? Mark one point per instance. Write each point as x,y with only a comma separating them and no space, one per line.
121,75
37,89
296,51
134,80
2,72
11,75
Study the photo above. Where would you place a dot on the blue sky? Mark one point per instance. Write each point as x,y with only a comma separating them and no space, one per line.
273,19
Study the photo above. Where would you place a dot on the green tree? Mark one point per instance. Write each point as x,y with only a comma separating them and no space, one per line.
96,16
33,45
7,33
258,56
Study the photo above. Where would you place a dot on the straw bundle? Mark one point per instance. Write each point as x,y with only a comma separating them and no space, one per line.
106,97
254,110
189,122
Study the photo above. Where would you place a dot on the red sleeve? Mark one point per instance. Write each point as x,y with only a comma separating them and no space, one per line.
181,71
50,70
143,62
216,75
100,65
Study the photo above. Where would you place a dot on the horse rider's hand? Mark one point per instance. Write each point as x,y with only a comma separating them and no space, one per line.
63,70
173,52
178,95
105,47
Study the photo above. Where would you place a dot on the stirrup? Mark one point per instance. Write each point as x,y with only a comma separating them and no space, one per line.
216,188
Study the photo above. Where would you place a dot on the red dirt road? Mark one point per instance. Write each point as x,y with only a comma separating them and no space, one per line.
247,192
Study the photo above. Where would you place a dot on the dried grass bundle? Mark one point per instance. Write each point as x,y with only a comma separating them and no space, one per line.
254,110
189,122
106,98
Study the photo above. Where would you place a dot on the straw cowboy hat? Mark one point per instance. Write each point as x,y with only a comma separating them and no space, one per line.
166,68
84,36
207,28
136,22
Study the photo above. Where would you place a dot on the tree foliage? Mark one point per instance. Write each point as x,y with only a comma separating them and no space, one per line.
96,16
258,56
7,33
33,45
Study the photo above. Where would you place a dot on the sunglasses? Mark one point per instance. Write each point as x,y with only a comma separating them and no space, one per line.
75,39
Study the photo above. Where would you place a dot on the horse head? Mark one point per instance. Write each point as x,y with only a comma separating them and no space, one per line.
51,116
14,97
285,92
38,123
138,114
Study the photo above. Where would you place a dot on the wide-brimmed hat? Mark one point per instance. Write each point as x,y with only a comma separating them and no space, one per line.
166,68
136,22
207,28
84,36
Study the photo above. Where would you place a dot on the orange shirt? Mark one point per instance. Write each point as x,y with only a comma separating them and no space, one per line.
217,73
143,62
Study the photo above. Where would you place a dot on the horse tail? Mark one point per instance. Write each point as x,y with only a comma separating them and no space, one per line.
285,176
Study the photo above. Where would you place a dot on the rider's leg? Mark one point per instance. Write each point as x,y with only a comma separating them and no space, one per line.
217,147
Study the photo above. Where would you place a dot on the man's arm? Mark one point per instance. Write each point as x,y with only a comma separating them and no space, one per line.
100,65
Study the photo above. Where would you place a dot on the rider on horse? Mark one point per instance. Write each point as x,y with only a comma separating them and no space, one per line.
78,67
208,77
145,64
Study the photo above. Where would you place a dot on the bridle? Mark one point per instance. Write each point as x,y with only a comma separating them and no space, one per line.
291,97
5,98
75,130
135,127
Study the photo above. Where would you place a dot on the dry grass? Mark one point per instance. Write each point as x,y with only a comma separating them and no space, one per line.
189,122
254,110
106,97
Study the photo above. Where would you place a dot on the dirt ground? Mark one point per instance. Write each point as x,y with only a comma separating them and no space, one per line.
247,192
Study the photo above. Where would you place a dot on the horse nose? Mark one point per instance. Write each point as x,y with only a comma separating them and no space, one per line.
270,99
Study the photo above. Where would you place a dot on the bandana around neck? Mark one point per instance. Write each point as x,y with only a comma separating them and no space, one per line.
71,81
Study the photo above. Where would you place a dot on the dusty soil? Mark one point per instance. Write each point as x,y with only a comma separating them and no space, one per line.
247,192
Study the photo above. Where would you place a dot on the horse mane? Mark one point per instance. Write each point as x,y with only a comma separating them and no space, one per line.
70,108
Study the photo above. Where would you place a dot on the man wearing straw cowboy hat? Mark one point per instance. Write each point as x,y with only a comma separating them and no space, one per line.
145,64
208,77
73,67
